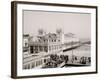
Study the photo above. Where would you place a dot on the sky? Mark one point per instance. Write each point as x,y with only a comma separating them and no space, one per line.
76,23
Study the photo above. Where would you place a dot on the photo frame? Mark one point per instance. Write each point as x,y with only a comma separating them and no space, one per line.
51,39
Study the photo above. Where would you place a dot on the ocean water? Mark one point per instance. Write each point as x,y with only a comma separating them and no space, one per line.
84,50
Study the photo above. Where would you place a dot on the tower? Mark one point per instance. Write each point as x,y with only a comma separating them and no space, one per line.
60,34
41,32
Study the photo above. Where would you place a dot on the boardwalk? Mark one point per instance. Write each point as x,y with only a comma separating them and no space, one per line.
70,64
77,56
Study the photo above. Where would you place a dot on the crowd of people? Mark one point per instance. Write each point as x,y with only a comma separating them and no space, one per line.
55,60
85,60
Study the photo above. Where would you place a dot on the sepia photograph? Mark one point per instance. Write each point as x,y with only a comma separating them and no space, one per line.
56,39
53,39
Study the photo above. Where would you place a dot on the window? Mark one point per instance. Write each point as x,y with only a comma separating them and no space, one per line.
44,60
28,66
45,49
36,49
33,65
26,44
41,49
31,49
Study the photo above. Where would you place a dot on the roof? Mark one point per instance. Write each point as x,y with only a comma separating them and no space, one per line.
50,36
